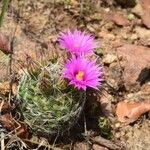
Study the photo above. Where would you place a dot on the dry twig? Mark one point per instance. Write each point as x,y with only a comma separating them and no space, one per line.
107,143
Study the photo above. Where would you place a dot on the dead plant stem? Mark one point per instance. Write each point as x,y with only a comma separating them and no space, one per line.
4,9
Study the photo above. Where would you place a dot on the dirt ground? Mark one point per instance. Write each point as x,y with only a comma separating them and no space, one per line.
122,30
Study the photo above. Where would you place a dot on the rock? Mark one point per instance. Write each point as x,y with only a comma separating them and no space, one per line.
90,28
36,25
142,32
5,88
146,15
138,10
146,5
81,146
146,19
107,35
117,125
114,76
98,147
134,37
144,42
143,10
117,19
130,112
146,89
109,58
131,17
136,61
144,35
96,16
138,134
105,103
93,27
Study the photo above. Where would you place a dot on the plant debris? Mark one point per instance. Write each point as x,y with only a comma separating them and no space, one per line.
4,44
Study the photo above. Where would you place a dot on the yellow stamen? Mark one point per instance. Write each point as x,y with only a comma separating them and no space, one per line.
80,75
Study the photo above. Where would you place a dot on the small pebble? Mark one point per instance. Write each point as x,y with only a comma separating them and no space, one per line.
117,125
131,17
109,58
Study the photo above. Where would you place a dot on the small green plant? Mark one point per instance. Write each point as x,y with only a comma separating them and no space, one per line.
105,128
67,3
99,51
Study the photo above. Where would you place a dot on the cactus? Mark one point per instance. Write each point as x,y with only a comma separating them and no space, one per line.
49,105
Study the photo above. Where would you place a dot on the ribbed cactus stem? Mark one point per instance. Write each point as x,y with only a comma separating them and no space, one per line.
49,105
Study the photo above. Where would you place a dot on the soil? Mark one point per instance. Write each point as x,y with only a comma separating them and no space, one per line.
124,41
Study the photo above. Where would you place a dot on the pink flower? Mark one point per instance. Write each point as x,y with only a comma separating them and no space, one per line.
83,73
77,42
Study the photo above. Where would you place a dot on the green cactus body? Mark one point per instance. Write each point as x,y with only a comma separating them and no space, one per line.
48,104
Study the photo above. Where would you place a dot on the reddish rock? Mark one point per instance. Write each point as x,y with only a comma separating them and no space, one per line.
98,147
146,89
80,146
143,35
136,60
146,4
117,19
146,15
146,19
138,10
130,112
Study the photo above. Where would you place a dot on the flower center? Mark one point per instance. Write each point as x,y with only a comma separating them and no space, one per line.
76,45
80,75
